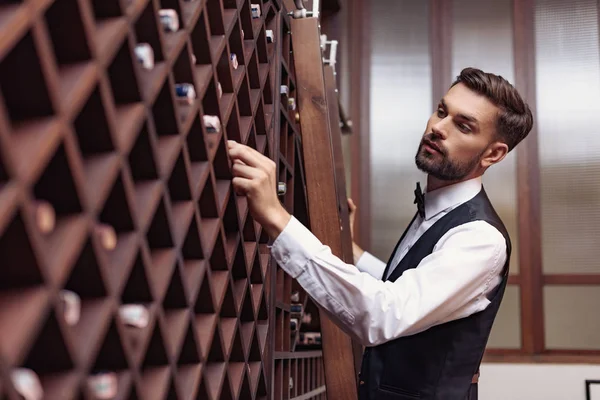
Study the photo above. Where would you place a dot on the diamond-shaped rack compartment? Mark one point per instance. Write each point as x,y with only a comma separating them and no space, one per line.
111,357
233,126
181,198
252,69
222,168
210,112
258,272
156,373
20,267
145,174
167,128
129,111
87,281
236,371
57,187
183,213
70,43
240,282
192,248
254,375
228,320
110,26
231,220
189,367
261,47
50,358
179,187
239,273
214,369
236,47
205,318
215,18
30,108
159,233
147,32
96,144
198,156
177,315
209,213
218,283
184,78
249,231
22,296
218,258
24,86
255,350
246,21
141,158
193,275
264,120
237,353
137,291
164,112
227,99
247,313
116,216
174,36
201,50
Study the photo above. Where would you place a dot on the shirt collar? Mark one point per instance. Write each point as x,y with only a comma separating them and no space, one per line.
451,196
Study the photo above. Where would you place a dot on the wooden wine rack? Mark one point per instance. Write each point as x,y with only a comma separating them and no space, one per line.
86,130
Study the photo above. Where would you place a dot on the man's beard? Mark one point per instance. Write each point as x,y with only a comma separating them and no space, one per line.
443,168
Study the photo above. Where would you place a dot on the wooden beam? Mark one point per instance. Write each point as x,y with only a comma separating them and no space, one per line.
321,189
528,185
572,279
440,45
359,66
340,184
338,163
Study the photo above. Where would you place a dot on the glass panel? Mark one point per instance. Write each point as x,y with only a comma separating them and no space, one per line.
400,107
568,109
571,317
506,333
482,38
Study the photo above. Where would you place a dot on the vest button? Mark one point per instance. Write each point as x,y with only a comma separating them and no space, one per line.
362,382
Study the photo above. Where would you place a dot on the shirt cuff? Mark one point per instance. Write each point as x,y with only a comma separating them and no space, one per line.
371,265
294,247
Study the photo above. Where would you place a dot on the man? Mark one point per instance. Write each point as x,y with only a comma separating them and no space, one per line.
425,317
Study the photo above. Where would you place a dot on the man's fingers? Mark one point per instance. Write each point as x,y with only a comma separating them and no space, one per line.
351,205
241,186
245,171
246,154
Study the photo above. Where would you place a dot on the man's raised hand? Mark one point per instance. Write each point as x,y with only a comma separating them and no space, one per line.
254,176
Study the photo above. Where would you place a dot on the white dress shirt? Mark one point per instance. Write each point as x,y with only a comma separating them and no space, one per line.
450,283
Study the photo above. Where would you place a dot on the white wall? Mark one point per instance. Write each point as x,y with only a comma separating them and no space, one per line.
535,381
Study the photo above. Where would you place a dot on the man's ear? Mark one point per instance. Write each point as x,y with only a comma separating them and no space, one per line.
494,154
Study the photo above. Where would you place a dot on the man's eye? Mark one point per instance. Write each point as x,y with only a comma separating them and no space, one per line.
440,112
464,127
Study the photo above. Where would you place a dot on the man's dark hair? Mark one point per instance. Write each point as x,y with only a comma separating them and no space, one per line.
515,119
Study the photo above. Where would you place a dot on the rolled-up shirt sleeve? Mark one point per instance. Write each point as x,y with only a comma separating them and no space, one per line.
451,283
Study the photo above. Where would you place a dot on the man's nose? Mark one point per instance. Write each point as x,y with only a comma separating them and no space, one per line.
440,128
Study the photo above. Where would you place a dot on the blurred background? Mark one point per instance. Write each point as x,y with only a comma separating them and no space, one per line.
398,57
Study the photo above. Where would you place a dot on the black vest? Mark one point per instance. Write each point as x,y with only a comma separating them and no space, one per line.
439,363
